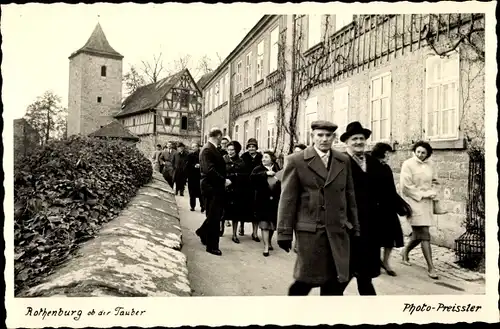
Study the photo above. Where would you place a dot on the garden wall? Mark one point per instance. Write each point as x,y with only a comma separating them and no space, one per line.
137,254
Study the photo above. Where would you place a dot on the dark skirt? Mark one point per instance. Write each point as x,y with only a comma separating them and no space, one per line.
420,233
391,233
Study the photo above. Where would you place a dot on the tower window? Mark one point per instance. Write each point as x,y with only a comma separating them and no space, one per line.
167,121
103,71
99,99
184,123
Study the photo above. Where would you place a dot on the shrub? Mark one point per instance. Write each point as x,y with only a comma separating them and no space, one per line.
63,193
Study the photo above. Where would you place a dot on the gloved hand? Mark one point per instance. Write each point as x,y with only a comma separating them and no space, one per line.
286,245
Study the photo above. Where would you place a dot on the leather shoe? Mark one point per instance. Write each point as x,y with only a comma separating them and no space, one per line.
215,252
203,241
286,245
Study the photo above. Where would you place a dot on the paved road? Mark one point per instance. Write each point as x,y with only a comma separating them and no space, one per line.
242,270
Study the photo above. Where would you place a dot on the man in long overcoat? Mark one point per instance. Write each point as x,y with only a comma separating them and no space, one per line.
367,173
318,203
213,184
180,162
194,177
167,158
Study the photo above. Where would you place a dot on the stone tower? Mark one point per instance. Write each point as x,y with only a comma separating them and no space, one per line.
95,85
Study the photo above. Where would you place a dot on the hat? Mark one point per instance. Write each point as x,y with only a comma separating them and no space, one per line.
252,141
322,124
355,128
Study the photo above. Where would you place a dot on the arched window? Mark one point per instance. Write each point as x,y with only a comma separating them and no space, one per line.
103,71
184,123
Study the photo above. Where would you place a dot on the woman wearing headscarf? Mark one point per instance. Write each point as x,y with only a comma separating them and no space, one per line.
235,193
252,159
267,195
391,205
157,165
418,181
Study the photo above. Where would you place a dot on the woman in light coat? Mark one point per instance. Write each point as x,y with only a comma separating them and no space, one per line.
418,182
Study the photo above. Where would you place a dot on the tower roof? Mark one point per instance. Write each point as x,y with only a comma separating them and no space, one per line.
98,45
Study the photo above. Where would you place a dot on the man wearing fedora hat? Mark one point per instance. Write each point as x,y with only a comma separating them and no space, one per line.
366,174
318,203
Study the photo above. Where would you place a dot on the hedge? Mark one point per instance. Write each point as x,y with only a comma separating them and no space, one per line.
63,193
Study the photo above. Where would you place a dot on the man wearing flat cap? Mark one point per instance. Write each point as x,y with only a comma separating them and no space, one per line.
366,174
318,203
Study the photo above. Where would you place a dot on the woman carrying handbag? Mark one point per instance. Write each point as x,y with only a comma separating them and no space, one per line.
418,181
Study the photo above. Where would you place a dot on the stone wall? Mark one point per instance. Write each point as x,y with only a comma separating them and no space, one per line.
138,254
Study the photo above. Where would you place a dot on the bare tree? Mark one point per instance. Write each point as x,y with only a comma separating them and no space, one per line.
204,66
153,70
182,63
219,59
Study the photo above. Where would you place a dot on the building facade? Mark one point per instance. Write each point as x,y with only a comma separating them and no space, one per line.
95,85
381,70
237,98
168,110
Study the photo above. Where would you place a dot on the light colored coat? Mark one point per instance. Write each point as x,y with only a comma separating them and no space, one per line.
416,180
320,206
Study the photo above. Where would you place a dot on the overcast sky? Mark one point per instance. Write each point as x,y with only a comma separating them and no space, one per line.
37,40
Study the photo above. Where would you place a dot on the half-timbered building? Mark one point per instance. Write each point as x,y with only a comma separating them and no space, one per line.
168,110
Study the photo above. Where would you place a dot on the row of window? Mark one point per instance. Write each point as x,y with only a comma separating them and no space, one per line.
219,93
244,69
270,132
441,103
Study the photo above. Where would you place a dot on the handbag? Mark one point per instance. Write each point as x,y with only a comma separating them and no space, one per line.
437,208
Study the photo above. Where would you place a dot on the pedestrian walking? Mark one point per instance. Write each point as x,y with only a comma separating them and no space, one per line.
235,193
318,203
194,176
366,173
392,205
267,195
252,159
180,162
213,183
167,158
419,186
156,158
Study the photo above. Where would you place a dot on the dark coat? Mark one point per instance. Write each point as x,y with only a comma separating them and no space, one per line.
366,256
193,174
180,163
320,205
222,152
391,234
235,193
166,158
250,164
213,171
266,198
